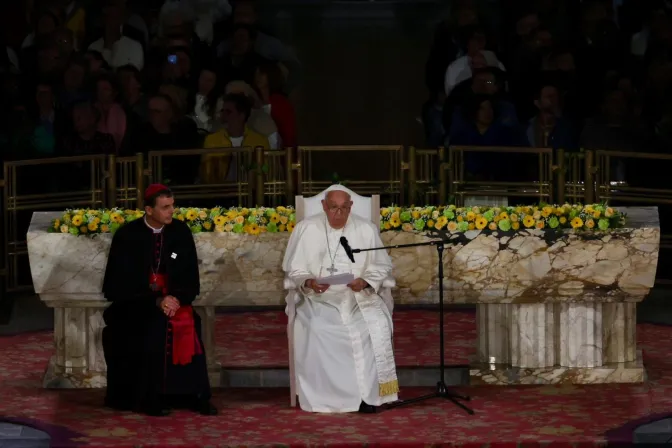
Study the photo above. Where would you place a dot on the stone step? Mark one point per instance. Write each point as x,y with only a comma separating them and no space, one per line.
279,377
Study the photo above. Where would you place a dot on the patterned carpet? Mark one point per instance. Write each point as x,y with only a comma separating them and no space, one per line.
511,416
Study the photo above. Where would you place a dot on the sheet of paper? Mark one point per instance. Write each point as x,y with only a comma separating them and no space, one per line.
338,279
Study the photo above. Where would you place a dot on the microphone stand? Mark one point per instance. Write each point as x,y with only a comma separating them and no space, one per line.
441,388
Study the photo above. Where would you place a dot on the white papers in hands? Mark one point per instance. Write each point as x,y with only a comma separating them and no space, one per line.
338,279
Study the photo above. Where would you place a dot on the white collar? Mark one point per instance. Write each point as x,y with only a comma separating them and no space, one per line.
150,227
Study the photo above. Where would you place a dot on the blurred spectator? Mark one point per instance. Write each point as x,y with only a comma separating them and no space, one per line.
133,99
86,139
73,83
48,122
241,62
97,63
548,128
117,49
257,119
234,134
205,12
112,116
269,82
265,45
207,101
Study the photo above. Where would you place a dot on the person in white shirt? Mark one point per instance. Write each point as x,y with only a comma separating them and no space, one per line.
117,49
343,358
204,12
207,100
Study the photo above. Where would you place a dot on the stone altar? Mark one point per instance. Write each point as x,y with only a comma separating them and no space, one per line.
552,306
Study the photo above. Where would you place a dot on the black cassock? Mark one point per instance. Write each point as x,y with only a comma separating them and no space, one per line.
137,339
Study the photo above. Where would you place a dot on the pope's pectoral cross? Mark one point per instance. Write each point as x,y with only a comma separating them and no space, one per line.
332,269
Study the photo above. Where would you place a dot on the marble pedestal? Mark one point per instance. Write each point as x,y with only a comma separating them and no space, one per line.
557,342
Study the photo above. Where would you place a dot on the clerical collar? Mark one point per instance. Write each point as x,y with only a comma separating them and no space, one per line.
153,229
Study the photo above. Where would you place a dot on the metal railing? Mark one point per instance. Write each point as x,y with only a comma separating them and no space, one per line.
429,175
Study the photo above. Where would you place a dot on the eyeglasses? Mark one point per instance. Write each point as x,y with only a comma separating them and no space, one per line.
336,210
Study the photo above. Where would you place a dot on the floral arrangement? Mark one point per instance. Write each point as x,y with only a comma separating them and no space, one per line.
252,221
450,218
461,219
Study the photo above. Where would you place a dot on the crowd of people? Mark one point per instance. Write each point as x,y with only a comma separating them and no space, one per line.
123,76
572,75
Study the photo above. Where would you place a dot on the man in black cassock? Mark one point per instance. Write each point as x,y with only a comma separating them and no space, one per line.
152,339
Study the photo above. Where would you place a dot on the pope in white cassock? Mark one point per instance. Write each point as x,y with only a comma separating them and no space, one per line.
342,329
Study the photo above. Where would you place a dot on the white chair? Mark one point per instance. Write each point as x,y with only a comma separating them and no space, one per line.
364,207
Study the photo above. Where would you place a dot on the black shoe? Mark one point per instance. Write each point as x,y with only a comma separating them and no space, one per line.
118,405
206,408
157,411
367,408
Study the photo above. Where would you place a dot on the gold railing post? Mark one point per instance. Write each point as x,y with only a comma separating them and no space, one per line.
562,181
299,171
111,181
443,166
589,182
412,176
289,175
140,181
259,176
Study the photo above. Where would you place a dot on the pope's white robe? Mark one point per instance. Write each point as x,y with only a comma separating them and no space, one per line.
342,340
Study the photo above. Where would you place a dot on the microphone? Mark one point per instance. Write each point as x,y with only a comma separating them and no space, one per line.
348,249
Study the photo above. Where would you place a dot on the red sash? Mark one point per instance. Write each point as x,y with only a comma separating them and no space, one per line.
182,327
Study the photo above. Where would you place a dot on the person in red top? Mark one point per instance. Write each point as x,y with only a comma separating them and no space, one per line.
269,81
152,342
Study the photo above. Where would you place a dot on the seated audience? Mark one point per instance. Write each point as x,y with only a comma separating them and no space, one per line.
73,88
269,82
48,121
235,133
135,102
205,12
241,62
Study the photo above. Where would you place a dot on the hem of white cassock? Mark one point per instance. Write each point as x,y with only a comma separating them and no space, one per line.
380,402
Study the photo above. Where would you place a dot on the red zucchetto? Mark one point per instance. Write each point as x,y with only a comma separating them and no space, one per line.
153,189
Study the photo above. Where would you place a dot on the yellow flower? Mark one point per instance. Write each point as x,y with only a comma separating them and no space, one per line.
254,229
93,226
202,214
384,212
67,218
77,220
290,226
481,222
513,217
83,229
492,226
442,221
386,225
528,221
395,221
590,223
596,214
471,216
207,225
589,209
219,220
559,211
546,212
471,226
452,226
105,228
503,215
281,228
64,228
281,209
609,212
239,219
536,215
563,219
476,210
275,218
577,223
540,225
219,229
57,224
415,214
407,227
430,223
515,225
283,220
180,217
460,218
228,227
231,214
190,215
245,212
